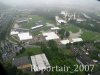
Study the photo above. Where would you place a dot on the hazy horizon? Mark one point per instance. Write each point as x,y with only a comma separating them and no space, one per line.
84,3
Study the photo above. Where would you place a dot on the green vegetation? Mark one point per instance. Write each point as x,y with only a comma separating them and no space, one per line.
60,57
30,51
35,19
73,29
63,33
70,27
12,70
89,35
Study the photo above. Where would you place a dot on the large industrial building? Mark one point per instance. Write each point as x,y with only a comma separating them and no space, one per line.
50,36
24,36
39,62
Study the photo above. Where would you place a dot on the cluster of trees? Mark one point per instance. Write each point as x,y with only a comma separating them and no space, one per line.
90,24
12,70
63,33
56,58
94,54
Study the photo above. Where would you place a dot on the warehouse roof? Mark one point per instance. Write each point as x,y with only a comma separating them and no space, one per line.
36,26
65,41
50,35
24,36
76,40
14,32
55,28
39,62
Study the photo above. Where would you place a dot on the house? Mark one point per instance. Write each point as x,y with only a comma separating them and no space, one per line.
83,60
40,62
89,47
22,63
75,50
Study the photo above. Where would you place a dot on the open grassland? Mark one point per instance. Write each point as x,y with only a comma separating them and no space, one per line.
35,18
69,27
30,51
89,35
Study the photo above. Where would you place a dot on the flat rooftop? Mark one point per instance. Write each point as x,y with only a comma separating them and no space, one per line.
38,26
50,35
65,41
14,32
39,62
24,36
76,40
55,28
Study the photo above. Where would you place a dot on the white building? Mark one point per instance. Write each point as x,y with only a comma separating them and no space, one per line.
39,62
35,27
50,35
58,20
14,32
64,42
61,21
76,40
24,36
98,55
55,28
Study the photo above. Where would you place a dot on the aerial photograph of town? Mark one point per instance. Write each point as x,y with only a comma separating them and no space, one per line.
50,37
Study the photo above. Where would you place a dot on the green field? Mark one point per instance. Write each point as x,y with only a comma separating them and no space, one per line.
35,19
30,51
89,35
69,27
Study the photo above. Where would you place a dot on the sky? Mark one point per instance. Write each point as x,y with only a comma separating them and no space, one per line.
52,2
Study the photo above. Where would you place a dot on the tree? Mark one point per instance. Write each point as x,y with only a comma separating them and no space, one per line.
63,33
23,49
53,45
67,34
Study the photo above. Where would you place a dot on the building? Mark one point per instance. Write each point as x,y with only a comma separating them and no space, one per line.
22,20
13,32
83,60
64,42
50,36
24,36
59,20
98,55
55,28
22,63
39,62
76,40
35,27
